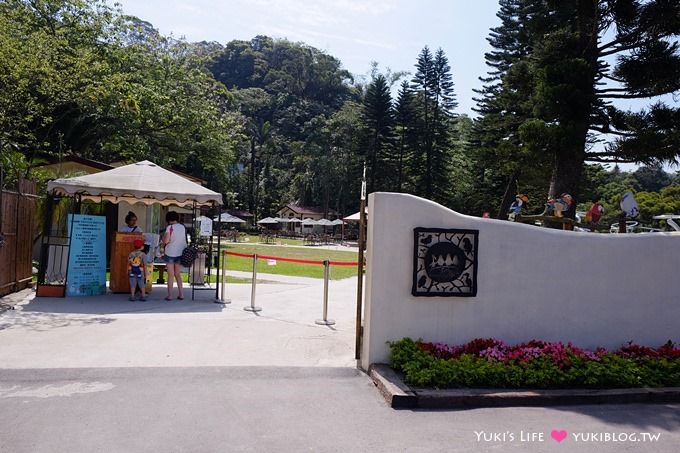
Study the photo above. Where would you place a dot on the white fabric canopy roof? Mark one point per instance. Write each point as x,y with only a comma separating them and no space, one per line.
142,182
228,218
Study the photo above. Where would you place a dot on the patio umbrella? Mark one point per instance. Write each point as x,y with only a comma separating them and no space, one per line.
309,222
324,222
228,218
293,222
355,217
267,221
337,222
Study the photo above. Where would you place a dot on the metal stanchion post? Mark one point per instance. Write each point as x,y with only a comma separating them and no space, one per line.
252,306
223,283
325,321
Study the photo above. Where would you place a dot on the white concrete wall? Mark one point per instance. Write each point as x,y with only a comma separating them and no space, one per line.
590,289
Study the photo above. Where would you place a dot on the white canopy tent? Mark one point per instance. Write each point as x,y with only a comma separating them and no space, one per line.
141,182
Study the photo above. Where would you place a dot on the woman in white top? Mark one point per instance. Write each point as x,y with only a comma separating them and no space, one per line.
130,224
175,240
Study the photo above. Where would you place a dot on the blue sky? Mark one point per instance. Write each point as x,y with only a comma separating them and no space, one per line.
357,32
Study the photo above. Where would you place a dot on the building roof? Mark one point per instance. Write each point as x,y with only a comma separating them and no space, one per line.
302,210
237,213
72,163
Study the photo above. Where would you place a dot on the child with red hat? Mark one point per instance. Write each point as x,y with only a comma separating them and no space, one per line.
137,269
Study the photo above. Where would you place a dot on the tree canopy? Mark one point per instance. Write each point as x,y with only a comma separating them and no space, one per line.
79,77
558,67
269,122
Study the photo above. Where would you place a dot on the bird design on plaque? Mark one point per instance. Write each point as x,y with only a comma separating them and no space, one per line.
445,262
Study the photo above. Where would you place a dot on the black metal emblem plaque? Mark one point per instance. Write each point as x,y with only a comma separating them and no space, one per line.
445,262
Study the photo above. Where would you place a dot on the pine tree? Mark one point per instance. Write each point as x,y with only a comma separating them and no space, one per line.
378,116
582,54
505,104
435,101
406,129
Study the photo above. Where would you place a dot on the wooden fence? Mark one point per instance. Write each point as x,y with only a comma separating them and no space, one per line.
17,224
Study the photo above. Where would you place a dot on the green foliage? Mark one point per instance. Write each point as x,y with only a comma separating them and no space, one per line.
79,77
291,96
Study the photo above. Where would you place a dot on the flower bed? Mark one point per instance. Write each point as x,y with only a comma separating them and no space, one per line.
536,364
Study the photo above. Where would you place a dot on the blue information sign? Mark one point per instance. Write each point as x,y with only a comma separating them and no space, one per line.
87,256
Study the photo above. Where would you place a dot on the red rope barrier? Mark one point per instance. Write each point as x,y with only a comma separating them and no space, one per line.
244,255
292,260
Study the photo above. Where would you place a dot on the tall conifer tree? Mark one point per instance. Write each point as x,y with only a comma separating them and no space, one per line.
379,122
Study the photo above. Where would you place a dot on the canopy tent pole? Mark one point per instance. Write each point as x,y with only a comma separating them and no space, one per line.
218,275
360,267
75,209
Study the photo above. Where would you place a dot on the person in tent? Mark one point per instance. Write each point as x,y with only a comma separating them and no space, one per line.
130,224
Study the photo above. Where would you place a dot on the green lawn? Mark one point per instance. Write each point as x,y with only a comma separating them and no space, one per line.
235,263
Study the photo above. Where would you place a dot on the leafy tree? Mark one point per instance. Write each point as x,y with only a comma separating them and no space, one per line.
286,92
666,201
78,77
651,178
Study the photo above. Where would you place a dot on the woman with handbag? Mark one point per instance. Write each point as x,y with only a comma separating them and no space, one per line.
175,240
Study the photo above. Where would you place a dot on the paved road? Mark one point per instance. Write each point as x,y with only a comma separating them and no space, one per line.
105,374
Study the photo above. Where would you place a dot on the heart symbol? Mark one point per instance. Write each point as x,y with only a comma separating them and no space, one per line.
559,436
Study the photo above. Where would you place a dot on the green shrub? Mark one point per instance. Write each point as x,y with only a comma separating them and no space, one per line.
537,364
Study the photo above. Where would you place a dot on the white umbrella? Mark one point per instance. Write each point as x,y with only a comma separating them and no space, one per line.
324,222
337,222
267,221
228,218
281,219
355,217
294,220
